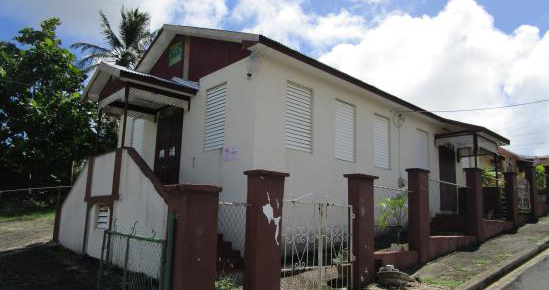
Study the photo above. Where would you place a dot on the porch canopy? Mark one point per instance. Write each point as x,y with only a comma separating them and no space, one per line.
122,91
472,143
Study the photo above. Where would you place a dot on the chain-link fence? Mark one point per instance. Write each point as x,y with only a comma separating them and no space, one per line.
231,226
446,197
137,261
391,216
522,188
24,201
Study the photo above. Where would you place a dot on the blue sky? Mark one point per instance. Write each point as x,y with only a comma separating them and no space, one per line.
438,54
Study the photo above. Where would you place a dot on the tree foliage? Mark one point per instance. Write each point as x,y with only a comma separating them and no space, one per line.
126,48
44,126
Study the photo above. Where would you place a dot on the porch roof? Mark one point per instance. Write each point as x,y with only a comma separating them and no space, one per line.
471,142
146,94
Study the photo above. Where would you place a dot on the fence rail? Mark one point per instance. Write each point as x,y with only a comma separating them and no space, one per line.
317,245
522,188
444,196
138,260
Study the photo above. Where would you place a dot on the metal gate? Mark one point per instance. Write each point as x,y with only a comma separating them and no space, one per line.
523,194
132,261
317,246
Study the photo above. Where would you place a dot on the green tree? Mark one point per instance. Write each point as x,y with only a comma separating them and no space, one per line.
124,49
45,128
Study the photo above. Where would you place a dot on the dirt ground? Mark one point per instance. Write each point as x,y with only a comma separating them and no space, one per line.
29,260
50,267
21,233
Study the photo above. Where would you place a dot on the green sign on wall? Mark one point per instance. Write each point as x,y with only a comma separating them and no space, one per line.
175,54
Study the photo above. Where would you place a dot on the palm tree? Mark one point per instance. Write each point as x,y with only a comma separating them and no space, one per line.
126,48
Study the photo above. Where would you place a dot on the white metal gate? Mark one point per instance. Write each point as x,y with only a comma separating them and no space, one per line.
317,246
523,194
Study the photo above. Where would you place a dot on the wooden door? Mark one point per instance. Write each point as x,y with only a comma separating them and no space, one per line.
168,145
447,167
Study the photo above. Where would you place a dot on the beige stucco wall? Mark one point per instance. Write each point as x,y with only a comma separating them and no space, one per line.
73,213
103,170
320,172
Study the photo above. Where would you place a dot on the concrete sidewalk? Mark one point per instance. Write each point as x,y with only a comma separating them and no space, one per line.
479,267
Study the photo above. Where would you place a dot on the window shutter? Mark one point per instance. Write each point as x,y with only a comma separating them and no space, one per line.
103,216
298,117
465,162
345,131
422,147
381,142
215,118
138,135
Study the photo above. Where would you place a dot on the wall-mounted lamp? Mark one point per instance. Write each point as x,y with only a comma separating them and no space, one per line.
252,64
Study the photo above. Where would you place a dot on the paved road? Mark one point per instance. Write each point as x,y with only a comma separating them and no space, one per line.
534,278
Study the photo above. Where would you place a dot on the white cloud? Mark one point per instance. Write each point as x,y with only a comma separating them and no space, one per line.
286,21
457,59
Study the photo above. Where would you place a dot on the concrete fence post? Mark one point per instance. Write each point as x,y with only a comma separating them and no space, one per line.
511,198
195,241
530,173
360,192
419,227
263,250
546,185
475,207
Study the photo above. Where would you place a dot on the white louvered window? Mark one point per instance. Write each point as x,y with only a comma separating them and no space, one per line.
216,102
382,142
422,147
465,162
298,117
345,131
103,215
138,135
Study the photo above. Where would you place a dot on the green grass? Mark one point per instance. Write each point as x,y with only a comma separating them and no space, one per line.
48,214
225,283
443,282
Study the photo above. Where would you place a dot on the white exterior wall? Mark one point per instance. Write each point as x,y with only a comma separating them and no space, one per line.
139,202
103,171
73,215
320,172
208,167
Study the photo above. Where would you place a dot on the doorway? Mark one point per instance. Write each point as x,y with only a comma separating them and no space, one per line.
168,145
447,167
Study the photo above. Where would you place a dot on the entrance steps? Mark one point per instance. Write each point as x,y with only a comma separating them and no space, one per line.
229,260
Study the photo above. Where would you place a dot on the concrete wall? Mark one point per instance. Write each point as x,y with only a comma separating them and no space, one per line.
139,202
73,213
320,172
103,170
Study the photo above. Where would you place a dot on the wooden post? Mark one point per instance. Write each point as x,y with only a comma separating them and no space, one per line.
195,241
263,250
475,216
546,185
126,94
419,220
360,192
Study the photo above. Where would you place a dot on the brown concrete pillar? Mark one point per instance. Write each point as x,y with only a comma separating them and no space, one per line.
195,241
475,217
530,173
511,198
546,184
263,251
419,227
360,190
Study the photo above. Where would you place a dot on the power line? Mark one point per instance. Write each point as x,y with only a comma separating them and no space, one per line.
479,109
528,134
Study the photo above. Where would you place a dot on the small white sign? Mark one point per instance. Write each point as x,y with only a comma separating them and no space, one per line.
231,152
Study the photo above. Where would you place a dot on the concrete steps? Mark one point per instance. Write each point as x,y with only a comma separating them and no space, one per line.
229,260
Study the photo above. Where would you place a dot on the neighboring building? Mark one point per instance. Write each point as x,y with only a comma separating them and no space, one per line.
205,105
